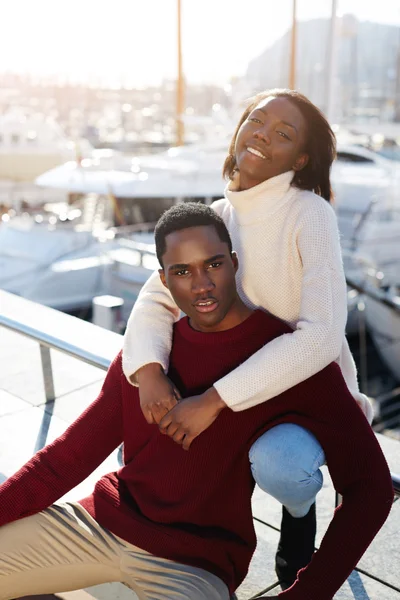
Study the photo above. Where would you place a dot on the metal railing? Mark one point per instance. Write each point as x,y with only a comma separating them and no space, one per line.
396,484
53,329
45,343
63,344
374,293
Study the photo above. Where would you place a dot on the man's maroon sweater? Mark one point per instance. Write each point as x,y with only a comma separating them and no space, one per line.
195,507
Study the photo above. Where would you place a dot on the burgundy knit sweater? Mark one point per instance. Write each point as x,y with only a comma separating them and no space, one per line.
195,507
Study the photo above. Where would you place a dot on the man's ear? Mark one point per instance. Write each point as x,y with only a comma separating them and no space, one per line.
235,260
162,277
301,162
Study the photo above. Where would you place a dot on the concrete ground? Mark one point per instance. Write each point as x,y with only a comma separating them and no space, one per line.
27,423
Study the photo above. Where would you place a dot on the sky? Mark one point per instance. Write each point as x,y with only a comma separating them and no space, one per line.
133,42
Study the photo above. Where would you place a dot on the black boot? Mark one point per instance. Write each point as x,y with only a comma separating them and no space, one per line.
296,545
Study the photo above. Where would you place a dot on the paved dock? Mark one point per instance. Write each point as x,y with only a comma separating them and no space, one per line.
27,423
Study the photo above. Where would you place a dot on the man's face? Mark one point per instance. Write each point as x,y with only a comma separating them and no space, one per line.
200,273
270,141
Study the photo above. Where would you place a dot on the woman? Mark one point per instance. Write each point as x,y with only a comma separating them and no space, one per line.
277,209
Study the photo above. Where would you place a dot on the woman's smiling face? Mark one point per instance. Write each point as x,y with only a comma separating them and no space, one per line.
271,141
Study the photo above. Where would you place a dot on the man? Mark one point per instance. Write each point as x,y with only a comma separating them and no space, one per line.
177,524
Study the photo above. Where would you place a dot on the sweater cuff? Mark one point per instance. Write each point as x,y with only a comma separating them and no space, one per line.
232,402
131,367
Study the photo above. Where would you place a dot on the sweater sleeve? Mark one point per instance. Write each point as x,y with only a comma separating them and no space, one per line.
359,473
148,336
67,461
319,334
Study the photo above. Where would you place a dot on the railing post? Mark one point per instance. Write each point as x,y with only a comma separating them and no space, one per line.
362,336
47,372
107,312
396,484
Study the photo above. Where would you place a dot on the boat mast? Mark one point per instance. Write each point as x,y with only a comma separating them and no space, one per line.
397,88
180,90
292,66
331,70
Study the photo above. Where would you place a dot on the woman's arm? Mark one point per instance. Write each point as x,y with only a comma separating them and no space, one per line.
147,346
319,334
148,335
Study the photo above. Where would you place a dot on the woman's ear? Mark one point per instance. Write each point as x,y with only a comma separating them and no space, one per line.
301,162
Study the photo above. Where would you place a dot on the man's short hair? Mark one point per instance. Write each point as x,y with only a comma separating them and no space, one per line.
182,216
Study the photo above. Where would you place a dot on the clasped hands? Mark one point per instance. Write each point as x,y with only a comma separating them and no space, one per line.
181,419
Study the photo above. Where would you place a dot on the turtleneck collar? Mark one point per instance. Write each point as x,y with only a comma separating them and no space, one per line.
262,199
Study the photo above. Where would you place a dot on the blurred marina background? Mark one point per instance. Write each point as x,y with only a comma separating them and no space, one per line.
112,112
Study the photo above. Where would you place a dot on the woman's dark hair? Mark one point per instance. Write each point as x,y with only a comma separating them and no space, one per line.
320,143
182,216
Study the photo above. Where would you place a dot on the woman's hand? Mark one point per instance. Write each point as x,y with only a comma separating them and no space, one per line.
191,417
157,393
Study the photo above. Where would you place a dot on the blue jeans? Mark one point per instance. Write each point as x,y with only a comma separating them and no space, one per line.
286,462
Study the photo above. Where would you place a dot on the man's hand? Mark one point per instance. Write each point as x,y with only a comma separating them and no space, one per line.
157,393
191,417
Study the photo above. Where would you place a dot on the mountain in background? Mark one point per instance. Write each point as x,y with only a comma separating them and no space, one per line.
367,68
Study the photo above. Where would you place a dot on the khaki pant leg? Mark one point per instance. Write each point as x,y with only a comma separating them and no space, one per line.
57,550
161,579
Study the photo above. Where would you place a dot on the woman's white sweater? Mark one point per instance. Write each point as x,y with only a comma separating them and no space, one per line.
290,264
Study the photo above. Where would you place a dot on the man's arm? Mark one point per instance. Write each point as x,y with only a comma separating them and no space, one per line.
356,522
61,465
359,473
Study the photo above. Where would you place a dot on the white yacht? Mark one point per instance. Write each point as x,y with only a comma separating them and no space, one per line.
363,180
383,321
31,144
62,259
181,172
378,254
